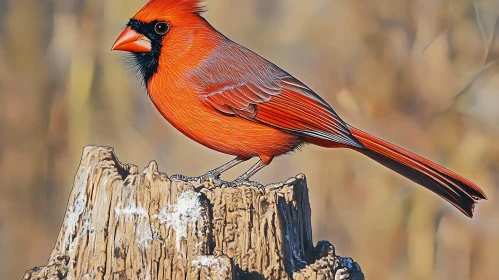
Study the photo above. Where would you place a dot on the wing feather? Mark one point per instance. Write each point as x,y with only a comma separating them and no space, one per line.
286,104
235,81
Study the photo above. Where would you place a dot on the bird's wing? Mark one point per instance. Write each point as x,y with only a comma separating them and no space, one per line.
284,103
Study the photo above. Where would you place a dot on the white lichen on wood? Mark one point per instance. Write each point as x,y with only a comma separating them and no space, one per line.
76,209
140,218
122,224
211,263
183,215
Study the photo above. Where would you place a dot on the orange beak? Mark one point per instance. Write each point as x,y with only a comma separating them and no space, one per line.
131,41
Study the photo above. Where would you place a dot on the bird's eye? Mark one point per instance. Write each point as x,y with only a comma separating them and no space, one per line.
161,28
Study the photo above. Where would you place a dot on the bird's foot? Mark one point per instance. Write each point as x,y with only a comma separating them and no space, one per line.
210,176
215,179
240,182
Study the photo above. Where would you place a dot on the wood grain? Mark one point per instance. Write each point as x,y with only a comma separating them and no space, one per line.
122,224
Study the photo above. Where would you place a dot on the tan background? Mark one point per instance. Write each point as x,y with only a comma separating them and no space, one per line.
392,68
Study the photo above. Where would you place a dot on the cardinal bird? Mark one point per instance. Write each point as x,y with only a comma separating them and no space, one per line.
229,99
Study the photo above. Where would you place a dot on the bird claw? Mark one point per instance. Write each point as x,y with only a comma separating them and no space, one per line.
182,178
210,176
239,182
178,177
215,179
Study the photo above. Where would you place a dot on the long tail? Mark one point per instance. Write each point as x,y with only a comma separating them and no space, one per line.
460,192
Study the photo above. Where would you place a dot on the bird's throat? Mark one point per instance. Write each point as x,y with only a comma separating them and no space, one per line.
147,64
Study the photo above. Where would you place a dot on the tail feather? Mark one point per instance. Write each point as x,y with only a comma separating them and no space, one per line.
460,192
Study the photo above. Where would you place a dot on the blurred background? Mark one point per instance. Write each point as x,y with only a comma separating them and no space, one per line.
422,74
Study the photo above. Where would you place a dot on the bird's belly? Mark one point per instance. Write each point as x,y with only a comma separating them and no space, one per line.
230,134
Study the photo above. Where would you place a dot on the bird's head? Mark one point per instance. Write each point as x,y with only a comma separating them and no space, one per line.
162,29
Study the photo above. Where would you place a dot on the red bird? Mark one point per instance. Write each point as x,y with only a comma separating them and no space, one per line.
229,99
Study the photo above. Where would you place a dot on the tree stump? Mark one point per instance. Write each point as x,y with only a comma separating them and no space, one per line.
122,224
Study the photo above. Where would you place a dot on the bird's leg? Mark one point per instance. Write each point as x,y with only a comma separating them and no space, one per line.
248,174
215,173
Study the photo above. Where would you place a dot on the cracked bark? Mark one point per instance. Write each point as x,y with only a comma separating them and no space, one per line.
122,224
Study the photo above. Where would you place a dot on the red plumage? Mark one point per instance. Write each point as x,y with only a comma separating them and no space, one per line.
229,99
172,7
179,12
457,190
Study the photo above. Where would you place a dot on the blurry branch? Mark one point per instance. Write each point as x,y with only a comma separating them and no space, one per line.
487,64
447,29
122,224
491,42
479,21
465,89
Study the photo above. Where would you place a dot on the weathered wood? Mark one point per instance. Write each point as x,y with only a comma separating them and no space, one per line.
122,224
